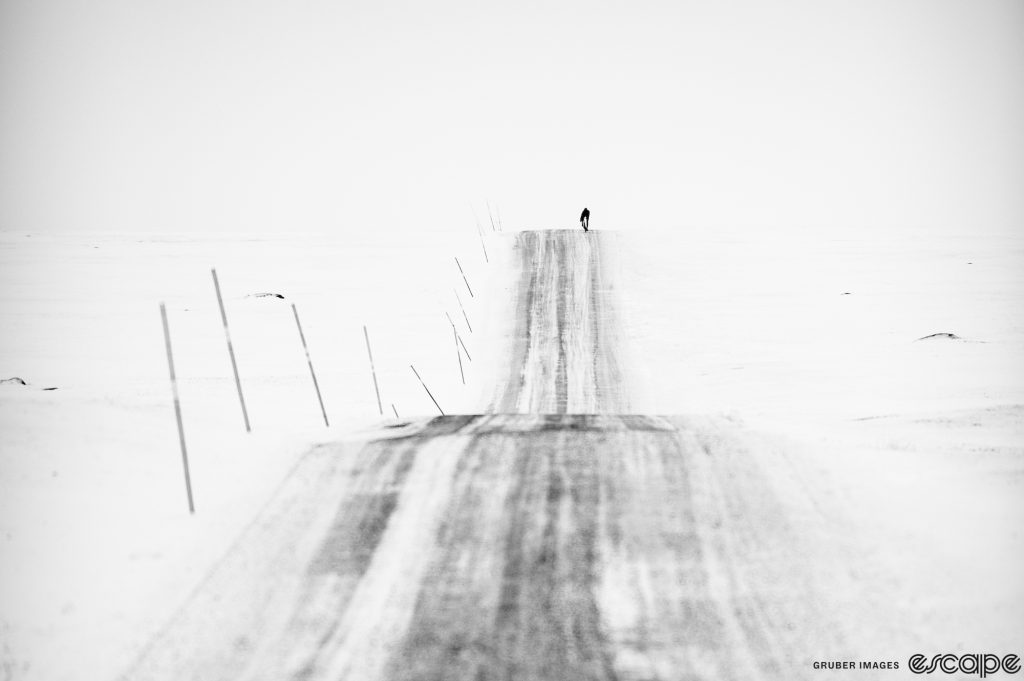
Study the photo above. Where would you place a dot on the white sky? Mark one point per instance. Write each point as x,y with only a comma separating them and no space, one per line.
231,115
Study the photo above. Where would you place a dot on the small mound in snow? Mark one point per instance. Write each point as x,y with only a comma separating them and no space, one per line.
950,336
265,295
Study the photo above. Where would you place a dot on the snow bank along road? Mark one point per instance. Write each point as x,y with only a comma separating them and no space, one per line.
555,538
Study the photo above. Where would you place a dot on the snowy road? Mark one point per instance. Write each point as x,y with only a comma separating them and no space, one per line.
564,350
557,538
509,546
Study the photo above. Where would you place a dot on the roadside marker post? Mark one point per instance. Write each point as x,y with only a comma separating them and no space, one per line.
458,336
479,232
493,228
177,409
312,373
231,351
464,278
483,246
458,354
427,389
373,371
464,315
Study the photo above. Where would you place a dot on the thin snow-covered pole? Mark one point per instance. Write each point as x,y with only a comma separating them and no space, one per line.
479,232
464,278
458,335
483,246
395,410
459,338
177,408
231,351
497,209
373,371
312,373
458,354
427,389
493,228
464,315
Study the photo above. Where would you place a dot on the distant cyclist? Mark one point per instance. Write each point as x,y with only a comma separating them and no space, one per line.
585,219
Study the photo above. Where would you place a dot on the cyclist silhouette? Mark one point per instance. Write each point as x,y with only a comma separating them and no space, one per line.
585,219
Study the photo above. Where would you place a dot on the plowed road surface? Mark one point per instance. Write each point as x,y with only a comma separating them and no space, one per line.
564,349
557,538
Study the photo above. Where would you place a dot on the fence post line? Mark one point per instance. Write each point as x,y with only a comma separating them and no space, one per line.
231,350
177,408
312,373
427,389
373,371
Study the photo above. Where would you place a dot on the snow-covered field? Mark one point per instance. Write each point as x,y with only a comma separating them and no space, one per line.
805,327
806,336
